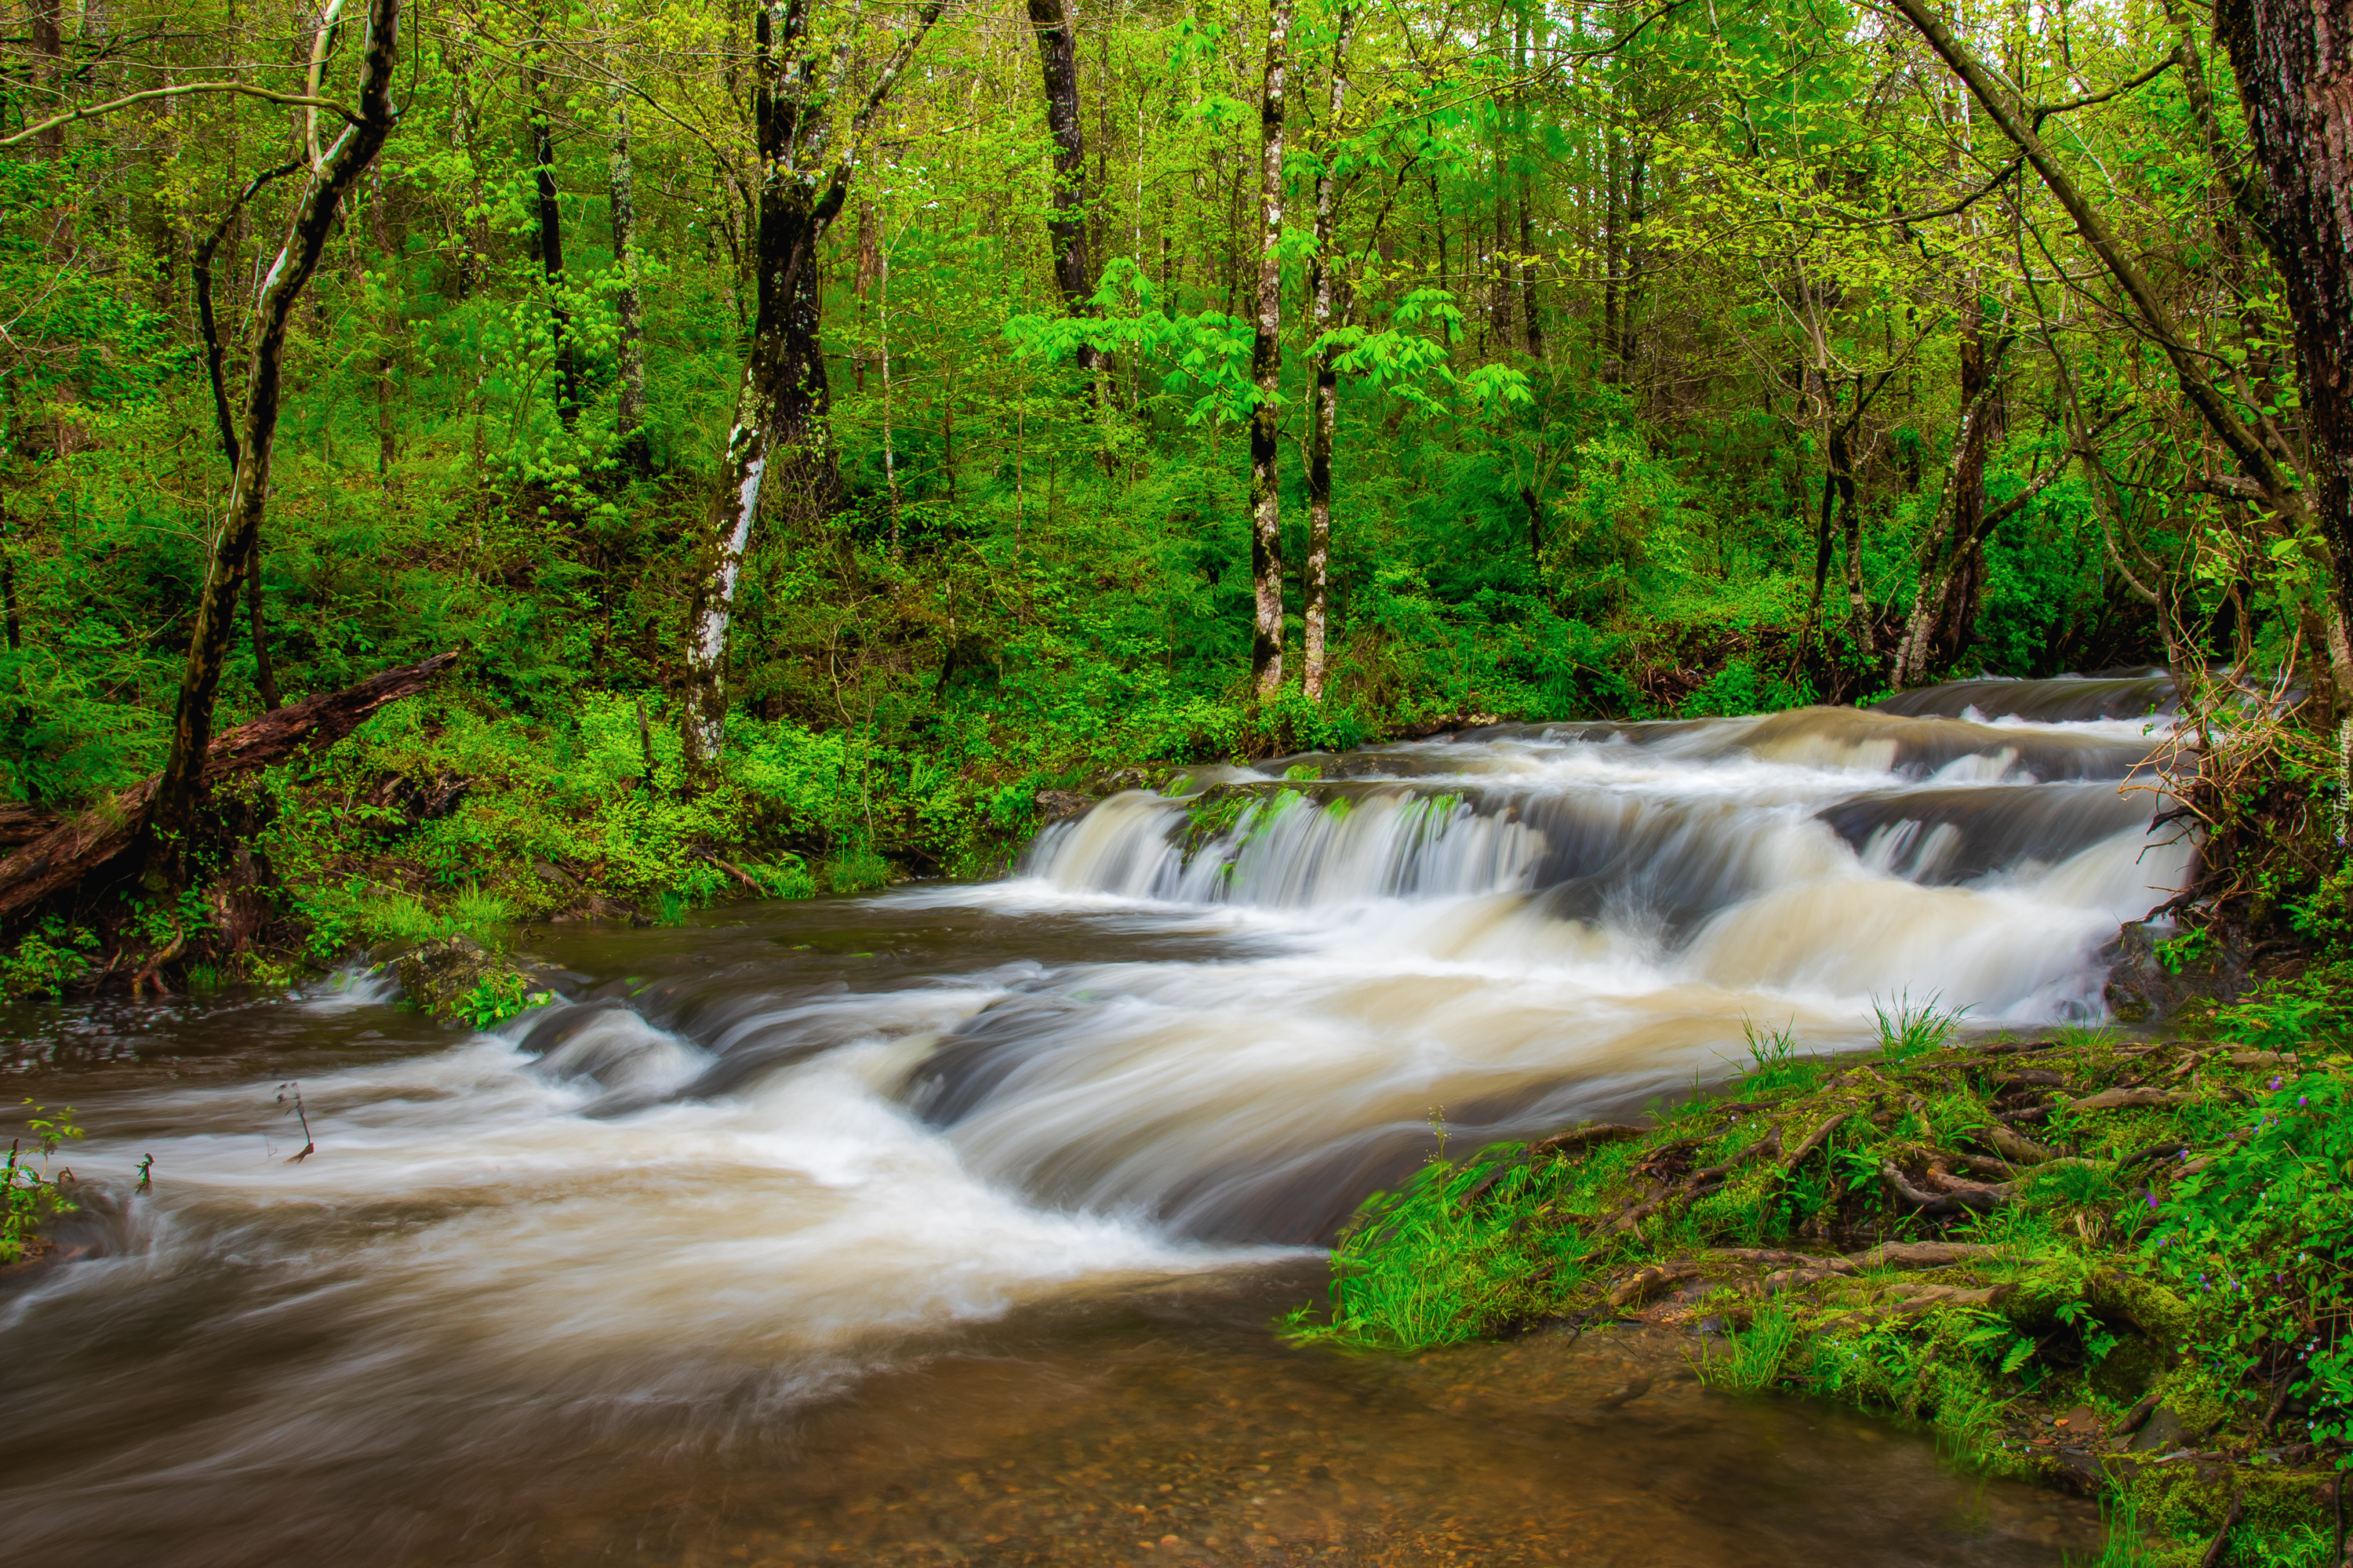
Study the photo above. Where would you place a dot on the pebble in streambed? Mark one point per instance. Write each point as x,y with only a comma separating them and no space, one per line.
1551,1449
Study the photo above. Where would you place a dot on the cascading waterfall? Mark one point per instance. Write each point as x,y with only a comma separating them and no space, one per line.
750,1161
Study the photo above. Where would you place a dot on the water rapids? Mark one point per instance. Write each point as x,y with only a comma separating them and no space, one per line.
754,1165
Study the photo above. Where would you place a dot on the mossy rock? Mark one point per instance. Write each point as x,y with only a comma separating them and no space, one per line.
459,979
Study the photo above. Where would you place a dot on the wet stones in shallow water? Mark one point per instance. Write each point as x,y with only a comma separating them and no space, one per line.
1054,805
439,975
2142,989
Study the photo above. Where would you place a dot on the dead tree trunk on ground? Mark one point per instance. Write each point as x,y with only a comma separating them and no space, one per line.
59,852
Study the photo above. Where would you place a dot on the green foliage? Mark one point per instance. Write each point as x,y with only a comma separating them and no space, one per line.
48,956
1443,1258
30,1195
2282,1014
1738,688
2260,1241
497,999
1754,1354
1909,1029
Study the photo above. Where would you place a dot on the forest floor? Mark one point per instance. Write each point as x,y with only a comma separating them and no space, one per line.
2121,1265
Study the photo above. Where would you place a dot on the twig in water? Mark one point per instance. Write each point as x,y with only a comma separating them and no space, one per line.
309,1145
145,1166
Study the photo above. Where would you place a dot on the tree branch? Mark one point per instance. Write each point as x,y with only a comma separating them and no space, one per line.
242,89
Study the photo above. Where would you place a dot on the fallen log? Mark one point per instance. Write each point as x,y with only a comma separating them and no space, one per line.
76,848
21,825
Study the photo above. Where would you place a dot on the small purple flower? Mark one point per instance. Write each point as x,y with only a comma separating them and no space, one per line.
2274,1084
2152,1200
2300,1100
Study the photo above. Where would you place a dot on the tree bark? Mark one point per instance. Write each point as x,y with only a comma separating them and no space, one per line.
179,783
620,185
224,419
1058,61
48,66
550,253
2294,59
1327,380
780,403
1266,369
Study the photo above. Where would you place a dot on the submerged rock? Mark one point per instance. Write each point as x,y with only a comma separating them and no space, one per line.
2145,986
457,978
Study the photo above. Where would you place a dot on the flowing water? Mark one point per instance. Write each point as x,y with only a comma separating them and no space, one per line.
948,1225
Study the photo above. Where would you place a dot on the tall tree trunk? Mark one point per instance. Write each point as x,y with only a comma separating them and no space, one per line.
1266,367
8,620
781,401
1960,508
48,68
1325,418
1058,60
620,184
235,547
1613,238
862,287
550,251
2294,59
1630,307
1850,516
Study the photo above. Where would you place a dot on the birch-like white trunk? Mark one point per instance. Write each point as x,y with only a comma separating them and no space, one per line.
1326,413
1266,369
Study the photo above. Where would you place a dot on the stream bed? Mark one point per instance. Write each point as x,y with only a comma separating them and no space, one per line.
952,1223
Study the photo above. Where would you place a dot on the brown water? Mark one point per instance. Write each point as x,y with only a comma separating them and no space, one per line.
950,1226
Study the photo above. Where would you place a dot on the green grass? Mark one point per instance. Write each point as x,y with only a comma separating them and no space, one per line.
2114,1274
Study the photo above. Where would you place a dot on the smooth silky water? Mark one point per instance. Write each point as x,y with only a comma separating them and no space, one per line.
950,1225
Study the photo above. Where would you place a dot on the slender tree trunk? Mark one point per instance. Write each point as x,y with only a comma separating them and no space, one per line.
8,620
862,287
1842,475
1630,308
1613,239
233,549
889,433
1058,60
550,253
2294,59
1959,513
1266,367
265,674
48,67
1325,416
630,408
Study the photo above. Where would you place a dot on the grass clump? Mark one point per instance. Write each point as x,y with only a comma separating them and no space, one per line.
2069,1256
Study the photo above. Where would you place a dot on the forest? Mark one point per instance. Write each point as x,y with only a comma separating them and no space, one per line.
815,429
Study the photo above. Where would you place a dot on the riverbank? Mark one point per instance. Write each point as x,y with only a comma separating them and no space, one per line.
440,823
2118,1266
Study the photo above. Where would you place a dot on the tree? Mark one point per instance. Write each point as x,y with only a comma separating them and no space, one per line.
330,175
1058,62
2293,60
804,174
1325,417
1266,369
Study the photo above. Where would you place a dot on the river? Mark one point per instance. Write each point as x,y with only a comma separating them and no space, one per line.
948,1225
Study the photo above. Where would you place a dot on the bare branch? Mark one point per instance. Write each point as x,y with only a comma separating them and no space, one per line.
242,89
